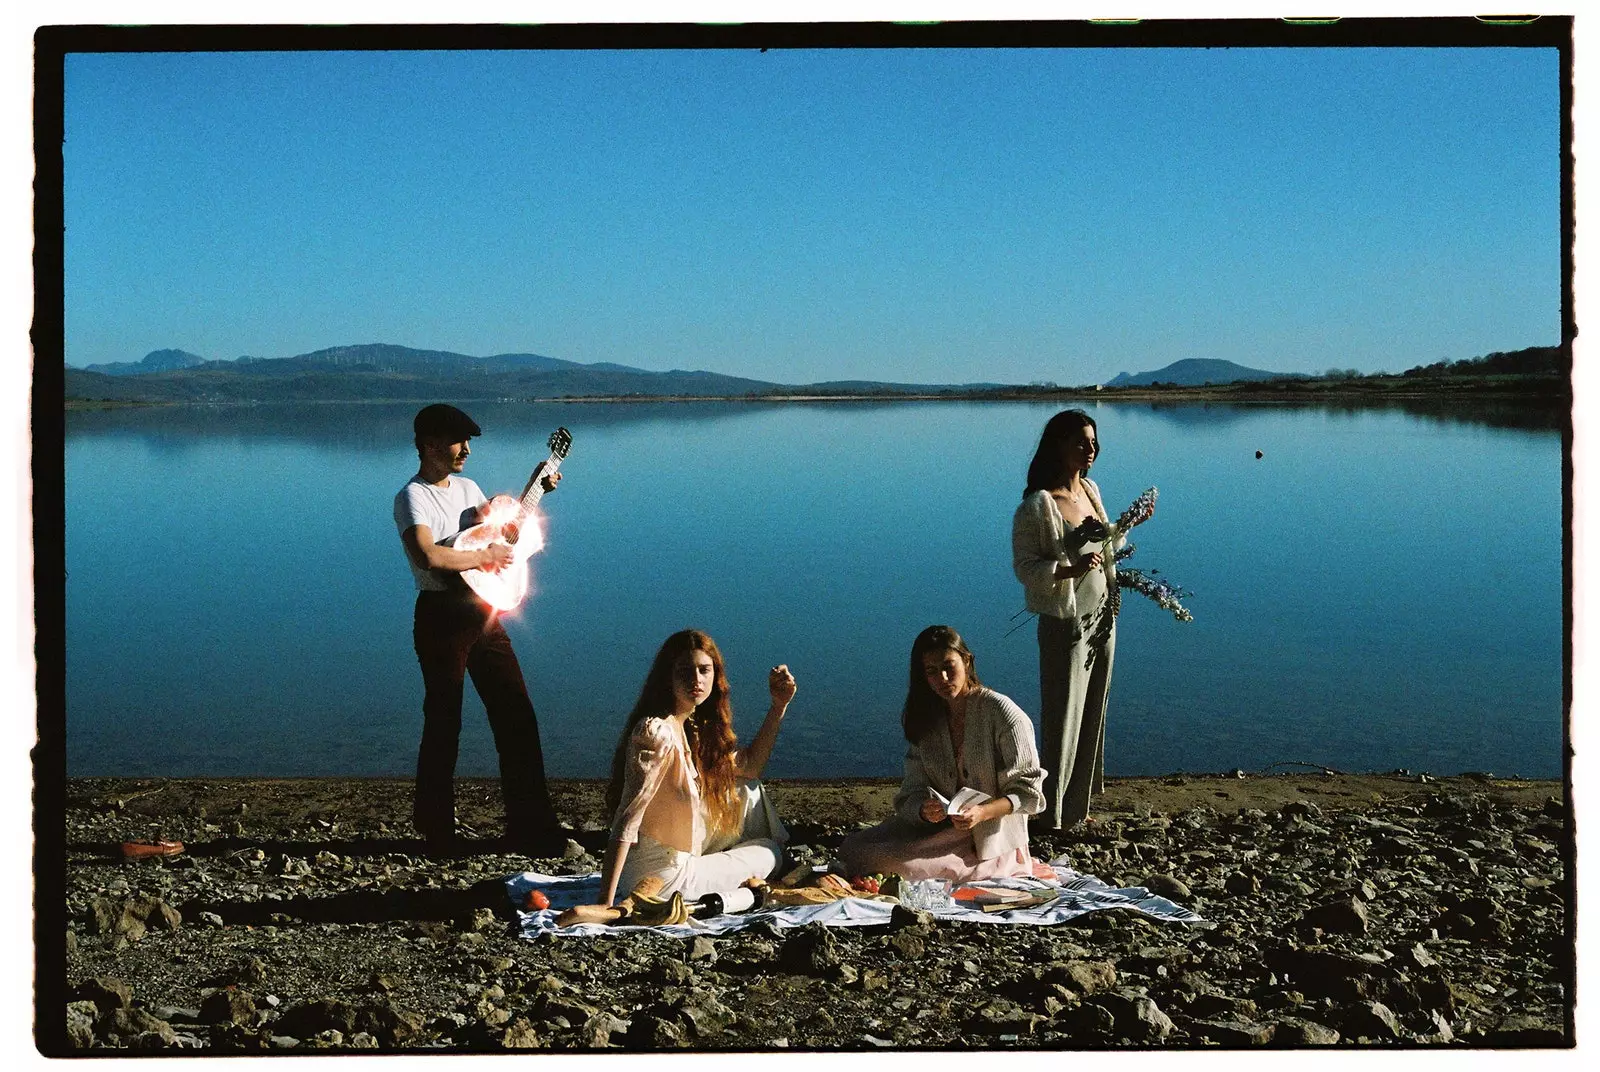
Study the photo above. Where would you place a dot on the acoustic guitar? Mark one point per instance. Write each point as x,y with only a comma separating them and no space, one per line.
510,521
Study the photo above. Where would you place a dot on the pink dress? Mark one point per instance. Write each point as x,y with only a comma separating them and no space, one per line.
896,846
994,753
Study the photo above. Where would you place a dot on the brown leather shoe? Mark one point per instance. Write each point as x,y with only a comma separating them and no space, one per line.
143,850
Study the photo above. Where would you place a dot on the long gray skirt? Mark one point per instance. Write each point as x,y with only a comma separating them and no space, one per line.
1072,719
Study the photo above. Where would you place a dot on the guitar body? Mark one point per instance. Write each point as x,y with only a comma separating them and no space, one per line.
505,588
513,523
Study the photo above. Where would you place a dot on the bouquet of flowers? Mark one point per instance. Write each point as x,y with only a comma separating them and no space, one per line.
1162,592
1165,594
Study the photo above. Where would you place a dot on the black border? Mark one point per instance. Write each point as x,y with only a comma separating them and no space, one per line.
53,43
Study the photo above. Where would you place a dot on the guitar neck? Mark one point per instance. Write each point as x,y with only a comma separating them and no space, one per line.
535,492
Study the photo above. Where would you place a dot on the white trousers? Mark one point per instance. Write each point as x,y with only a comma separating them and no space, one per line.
756,851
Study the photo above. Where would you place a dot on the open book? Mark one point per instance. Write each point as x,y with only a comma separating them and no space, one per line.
963,798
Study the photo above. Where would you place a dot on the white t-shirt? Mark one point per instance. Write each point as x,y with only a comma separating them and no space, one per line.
439,508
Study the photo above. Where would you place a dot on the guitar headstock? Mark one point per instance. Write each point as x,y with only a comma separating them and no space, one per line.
560,442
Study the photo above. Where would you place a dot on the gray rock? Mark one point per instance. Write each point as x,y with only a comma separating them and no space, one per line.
1328,973
228,1006
159,1039
129,1023
655,1031
1344,916
1083,976
1000,1016
1221,1007
902,918
107,992
810,949
103,915
1233,1032
1241,883
1169,887
1420,957
1370,1019
312,1018
909,944
1441,1030
520,1036
1135,1015
1298,1031
705,1016
80,1024
671,973
703,948
820,1021
1088,1020
598,1029
1526,1032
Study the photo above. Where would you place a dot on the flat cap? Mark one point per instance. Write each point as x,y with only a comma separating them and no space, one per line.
441,421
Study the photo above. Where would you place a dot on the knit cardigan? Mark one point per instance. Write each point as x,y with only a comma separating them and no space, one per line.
1037,546
998,758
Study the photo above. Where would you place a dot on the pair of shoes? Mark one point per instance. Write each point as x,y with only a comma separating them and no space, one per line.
443,845
549,843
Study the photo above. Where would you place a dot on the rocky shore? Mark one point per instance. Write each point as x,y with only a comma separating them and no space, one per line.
303,915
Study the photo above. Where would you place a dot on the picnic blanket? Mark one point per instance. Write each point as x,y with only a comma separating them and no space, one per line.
1079,894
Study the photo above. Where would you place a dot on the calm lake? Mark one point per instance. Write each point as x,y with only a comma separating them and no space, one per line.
1378,590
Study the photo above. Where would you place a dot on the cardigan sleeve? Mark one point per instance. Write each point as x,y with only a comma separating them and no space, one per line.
1017,772
913,787
648,750
1035,569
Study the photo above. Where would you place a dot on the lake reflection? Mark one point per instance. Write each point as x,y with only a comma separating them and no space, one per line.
1379,590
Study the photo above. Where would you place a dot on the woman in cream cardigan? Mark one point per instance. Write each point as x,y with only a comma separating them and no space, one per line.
1060,554
960,735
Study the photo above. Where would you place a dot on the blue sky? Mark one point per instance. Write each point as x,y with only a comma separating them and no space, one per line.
948,215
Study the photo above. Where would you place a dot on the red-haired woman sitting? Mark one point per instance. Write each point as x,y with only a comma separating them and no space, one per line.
687,810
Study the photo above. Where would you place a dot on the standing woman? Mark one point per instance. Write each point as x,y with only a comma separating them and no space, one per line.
1059,553
959,735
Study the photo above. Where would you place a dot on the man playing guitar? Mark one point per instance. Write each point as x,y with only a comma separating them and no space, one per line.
456,633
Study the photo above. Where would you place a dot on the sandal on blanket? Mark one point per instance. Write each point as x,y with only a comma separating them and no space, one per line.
654,912
644,893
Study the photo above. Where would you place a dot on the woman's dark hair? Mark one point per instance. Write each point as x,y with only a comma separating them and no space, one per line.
924,711
709,730
1047,469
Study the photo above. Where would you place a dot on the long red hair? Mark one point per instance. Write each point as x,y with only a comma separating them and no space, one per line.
709,730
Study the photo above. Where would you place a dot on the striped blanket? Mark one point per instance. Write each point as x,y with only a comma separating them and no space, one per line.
1079,894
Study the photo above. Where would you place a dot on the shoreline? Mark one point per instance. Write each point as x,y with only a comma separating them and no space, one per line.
1365,911
1533,395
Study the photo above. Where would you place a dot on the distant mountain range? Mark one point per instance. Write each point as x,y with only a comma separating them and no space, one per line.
384,372
1197,372
155,361
380,371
